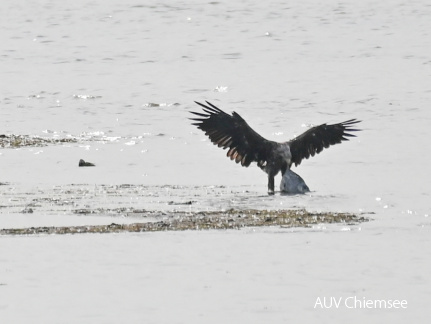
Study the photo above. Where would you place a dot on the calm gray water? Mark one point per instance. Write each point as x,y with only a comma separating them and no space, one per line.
122,76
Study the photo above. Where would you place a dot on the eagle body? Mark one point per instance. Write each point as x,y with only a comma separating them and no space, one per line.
244,145
279,159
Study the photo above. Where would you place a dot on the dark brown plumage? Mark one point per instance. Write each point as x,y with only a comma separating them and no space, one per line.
315,139
246,146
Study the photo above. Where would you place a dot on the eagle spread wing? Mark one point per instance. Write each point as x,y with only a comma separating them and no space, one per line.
232,131
317,138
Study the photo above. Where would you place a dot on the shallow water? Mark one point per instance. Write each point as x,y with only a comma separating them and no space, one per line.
121,78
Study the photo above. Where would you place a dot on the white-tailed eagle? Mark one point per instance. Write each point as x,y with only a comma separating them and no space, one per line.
246,146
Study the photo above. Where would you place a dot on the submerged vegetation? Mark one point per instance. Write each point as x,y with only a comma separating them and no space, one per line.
180,221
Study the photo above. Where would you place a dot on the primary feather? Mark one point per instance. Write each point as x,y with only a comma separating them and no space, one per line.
232,132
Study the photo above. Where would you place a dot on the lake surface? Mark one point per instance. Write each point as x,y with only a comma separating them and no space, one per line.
120,78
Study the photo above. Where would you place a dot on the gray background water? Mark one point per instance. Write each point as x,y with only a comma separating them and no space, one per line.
122,76
129,73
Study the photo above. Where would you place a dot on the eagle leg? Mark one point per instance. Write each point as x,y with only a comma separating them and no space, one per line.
270,184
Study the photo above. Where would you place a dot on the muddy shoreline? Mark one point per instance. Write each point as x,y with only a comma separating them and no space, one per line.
180,221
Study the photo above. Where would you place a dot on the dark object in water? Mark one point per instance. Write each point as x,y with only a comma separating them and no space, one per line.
82,163
292,183
246,146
